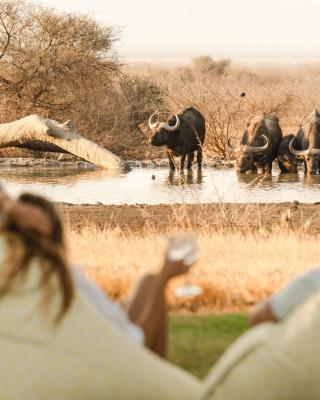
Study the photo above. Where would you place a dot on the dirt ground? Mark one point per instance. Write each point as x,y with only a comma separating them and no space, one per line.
220,217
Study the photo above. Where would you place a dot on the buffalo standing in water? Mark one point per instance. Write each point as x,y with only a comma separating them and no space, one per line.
183,134
259,144
308,138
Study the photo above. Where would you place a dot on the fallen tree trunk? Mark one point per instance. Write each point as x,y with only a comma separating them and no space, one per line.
42,134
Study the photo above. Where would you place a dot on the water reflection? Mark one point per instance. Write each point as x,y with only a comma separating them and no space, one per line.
189,177
54,175
158,185
289,178
311,181
256,180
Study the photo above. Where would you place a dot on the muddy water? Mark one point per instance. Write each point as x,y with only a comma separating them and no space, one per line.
158,185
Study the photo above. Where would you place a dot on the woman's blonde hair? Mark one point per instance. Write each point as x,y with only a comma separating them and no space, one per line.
23,246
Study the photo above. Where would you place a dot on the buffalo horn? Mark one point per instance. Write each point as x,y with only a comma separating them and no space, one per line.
256,149
169,128
298,153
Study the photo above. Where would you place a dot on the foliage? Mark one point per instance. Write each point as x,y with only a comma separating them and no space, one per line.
47,57
205,65
141,96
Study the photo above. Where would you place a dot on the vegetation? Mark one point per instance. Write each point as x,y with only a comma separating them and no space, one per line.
236,270
229,97
64,66
197,341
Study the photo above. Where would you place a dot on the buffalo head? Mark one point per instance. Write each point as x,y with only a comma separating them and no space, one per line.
246,155
310,156
309,134
162,130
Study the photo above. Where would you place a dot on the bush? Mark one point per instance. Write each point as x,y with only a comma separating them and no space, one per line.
63,66
141,96
47,58
205,65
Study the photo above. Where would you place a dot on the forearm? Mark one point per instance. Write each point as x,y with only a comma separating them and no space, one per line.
5,201
262,313
282,303
147,305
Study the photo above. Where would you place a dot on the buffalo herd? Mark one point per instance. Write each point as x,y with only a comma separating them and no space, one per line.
261,143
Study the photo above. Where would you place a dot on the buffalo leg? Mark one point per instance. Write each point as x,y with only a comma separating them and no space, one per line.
199,176
199,158
267,168
171,160
182,161
190,160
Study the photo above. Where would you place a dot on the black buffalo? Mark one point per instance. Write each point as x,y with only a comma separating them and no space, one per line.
308,138
259,144
288,163
183,134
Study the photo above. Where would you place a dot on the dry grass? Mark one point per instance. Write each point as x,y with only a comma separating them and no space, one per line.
235,270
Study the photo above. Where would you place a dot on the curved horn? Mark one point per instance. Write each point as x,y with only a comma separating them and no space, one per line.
231,148
314,152
151,124
255,149
169,128
297,153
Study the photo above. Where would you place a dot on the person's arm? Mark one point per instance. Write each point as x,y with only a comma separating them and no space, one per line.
147,306
262,313
286,300
27,216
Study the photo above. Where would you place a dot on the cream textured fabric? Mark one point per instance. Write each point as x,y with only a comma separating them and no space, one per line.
82,358
273,361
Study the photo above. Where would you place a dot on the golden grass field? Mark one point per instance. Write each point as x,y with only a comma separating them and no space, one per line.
236,270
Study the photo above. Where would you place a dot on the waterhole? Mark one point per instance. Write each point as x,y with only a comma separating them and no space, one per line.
159,185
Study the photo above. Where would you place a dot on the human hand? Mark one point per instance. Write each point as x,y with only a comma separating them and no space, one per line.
182,253
28,216
172,269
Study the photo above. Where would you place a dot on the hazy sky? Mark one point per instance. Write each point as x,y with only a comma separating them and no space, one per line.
227,28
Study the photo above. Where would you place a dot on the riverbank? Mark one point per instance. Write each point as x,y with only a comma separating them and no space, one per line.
220,217
73,162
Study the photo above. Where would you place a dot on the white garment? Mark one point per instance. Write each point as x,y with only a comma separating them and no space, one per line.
112,311
295,293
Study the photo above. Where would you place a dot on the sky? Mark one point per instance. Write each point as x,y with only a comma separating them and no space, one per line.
180,29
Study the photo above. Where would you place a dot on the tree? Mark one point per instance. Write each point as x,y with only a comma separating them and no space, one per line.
207,66
46,56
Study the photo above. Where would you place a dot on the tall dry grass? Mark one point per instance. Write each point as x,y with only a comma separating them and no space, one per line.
235,270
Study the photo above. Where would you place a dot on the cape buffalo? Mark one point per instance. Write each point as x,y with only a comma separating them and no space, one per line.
183,134
309,137
259,144
286,160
